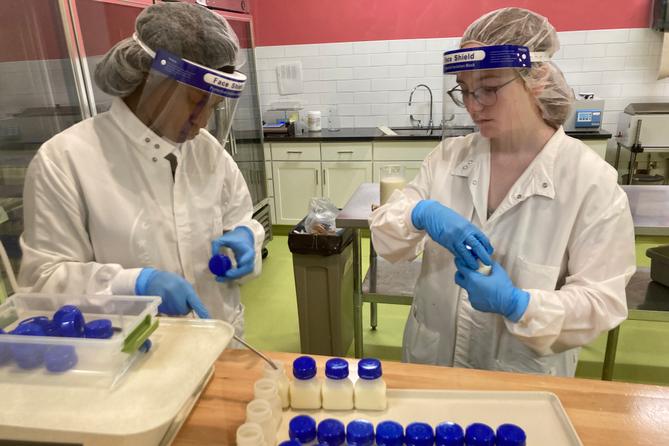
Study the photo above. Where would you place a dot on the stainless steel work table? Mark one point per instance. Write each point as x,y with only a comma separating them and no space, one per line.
384,282
394,283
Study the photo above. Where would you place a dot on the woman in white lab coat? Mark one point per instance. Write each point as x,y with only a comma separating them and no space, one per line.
135,200
559,223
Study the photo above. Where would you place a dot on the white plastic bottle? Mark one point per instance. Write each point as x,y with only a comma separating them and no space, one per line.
250,434
282,383
259,411
305,389
265,389
370,389
337,387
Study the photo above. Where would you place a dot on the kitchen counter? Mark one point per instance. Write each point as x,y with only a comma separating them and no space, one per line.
650,209
603,413
373,133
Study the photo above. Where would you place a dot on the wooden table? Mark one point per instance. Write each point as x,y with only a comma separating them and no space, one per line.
603,413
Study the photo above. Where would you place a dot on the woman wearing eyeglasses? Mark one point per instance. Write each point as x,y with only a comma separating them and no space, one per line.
540,209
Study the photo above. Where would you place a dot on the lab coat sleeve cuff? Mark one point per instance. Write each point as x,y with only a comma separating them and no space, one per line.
541,323
123,283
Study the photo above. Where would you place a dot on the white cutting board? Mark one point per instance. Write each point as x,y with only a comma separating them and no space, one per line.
157,391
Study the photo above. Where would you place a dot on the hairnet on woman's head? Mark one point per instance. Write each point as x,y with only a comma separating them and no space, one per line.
190,31
517,26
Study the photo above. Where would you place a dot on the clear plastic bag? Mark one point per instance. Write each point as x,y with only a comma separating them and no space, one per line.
321,217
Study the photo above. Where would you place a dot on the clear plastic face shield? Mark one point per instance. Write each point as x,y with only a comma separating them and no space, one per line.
475,80
180,96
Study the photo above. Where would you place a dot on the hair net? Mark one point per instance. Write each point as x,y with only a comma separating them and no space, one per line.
190,31
517,26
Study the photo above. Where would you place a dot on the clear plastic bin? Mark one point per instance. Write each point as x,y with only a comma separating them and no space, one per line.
99,362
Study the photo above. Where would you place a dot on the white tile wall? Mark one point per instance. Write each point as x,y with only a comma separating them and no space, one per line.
370,82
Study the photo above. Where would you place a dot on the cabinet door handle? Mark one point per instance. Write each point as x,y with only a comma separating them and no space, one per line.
316,175
297,152
324,177
342,152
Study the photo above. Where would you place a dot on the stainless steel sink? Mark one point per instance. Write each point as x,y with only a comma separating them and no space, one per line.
415,131
436,131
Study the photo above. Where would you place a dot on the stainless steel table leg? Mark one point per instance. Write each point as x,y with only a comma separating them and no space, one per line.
373,315
631,167
610,354
357,294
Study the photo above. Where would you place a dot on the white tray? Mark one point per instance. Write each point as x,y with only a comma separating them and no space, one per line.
540,414
146,408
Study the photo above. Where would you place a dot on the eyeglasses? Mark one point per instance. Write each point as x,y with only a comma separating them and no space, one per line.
485,96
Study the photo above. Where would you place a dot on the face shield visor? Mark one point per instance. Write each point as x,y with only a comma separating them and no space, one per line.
179,97
474,78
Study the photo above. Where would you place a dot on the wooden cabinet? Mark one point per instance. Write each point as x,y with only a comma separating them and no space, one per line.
341,179
302,170
295,183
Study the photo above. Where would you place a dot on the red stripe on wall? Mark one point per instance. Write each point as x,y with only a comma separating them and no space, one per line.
280,22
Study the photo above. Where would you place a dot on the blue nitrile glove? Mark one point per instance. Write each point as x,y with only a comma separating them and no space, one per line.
240,240
494,293
178,295
452,231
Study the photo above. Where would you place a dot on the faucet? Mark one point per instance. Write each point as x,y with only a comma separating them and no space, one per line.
429,125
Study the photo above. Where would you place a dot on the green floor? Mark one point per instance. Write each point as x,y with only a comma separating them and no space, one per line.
272,324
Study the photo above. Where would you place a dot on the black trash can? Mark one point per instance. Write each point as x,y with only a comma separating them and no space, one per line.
323,269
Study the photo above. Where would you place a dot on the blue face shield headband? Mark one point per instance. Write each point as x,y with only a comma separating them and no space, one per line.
491,58
180,96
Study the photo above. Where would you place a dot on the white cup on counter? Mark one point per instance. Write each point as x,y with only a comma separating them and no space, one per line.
314,121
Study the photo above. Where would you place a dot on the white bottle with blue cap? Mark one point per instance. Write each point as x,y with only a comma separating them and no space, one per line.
370,389
337,387
305,389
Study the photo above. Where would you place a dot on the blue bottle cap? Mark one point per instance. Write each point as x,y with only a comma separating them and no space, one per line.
70,321
99,329
360,433
146,346
331,432
419,434
28,356
449,434
479,434
510,435
60,358
302,428
389,433
336,368
219,264
43,321
290,443
369,368
304,367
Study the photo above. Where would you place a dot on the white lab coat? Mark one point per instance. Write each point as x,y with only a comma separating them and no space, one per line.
564,233
100,204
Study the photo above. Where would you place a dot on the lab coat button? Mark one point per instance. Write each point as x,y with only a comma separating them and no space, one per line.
544,185
147,139
474,183
518,197
156,146
464,167
154,159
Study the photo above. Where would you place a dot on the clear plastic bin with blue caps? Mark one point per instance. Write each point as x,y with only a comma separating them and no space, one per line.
48,336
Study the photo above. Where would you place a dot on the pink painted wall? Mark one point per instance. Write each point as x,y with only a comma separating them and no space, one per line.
280,22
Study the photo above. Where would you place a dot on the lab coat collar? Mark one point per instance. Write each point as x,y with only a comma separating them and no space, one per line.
538,178
148,143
